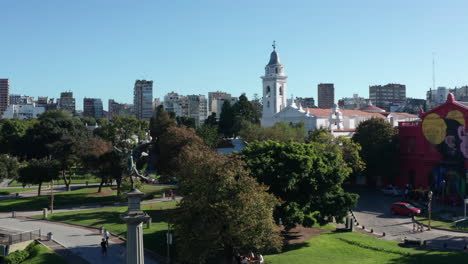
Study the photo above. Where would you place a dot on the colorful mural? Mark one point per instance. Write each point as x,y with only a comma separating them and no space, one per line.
450,137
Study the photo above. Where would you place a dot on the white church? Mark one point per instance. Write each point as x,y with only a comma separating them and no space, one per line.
276,107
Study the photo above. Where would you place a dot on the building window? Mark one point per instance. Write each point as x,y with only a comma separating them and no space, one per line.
276,70
268,90
268,104
281,90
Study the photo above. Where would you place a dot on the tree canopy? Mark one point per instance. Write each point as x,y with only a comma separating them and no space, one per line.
38,171
307,177
222,208
280,131
379,142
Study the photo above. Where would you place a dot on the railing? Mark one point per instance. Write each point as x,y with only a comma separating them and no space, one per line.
9,239
409,124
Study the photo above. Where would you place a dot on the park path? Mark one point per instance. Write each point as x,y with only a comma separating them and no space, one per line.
80,241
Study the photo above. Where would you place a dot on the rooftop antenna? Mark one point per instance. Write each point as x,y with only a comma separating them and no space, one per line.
433,70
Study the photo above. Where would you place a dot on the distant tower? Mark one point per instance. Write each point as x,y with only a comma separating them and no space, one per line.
274,88
143,99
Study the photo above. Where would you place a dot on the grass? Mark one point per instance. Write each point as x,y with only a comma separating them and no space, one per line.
439,222
15,190
56,182
40,254
356,248
109,218
77,197
82,196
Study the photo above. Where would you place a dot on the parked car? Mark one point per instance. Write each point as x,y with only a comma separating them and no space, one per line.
401,208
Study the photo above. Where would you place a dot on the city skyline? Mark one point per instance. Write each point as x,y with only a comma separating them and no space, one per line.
215,45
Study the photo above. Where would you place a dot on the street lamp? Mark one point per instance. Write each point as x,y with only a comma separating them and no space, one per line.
169,242
429,195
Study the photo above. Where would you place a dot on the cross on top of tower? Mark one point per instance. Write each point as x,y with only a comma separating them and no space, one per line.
274,45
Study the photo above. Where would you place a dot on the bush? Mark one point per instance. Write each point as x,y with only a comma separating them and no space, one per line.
17,257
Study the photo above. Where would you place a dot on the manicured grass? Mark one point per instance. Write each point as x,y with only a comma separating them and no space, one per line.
439,222
40,254
347,248
74,181
15,190
77,197
155,191
109,218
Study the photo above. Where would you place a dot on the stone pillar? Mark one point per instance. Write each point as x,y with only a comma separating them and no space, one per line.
134,218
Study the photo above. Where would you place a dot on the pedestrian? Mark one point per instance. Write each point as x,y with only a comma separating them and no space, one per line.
104,247
171,193
107,236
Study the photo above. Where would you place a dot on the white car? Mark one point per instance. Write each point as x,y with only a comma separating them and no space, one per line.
391,190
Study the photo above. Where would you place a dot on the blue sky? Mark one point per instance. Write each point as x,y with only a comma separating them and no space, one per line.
98,48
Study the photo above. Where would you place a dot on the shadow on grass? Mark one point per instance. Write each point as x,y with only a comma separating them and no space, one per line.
432,257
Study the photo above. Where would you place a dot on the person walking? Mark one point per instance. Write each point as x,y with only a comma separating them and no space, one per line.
171,194
107,236
104,247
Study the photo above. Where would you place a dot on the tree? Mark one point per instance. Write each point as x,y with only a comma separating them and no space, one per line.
57,135
11,135
226,120
160,122
210,135
211,120
379,142
186,121
243,111
38,171
8,167
307,177
93,156
257,108
280,131
222,208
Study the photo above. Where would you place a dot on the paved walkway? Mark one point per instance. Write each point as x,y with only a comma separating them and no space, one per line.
373,212
80,241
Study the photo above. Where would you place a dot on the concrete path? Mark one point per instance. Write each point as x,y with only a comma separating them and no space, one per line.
80,241
373,212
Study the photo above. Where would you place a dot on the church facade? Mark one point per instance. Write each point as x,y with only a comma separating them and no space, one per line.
276,108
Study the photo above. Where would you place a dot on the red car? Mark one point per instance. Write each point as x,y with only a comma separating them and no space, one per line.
401,208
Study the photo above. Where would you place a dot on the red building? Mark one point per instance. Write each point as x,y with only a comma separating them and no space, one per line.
434,151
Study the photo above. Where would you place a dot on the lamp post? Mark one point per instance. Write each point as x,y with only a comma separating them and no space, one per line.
429,195
169,242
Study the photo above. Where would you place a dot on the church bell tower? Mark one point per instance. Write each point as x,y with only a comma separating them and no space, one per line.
274,88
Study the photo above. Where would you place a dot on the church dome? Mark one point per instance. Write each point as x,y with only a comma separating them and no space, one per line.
274,58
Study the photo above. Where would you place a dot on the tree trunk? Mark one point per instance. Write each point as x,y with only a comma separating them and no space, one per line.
118,181
228,254
66,181
39,189
100,185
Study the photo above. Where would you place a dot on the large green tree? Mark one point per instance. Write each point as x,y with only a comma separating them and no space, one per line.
8,167
57,135
38,171
226,119
307,177
12,132
160,122
94,156
222,209
210,135
280,131
379,142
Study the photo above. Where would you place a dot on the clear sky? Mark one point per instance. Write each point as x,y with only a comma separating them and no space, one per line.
98,48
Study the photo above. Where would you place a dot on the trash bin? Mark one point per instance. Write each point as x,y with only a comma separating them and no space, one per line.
101,230
13,214
50,236
44,213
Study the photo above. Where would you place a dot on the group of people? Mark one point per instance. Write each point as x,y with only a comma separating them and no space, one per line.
250,259
105,242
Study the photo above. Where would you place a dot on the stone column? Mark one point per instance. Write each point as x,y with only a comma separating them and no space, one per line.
134,218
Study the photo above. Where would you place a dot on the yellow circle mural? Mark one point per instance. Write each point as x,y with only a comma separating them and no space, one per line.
434,128
457,116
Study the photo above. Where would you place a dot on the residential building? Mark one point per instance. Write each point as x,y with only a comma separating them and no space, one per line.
197,108
353,103
48,104
21,99
4,94
410,105
169,100
326,95
157,102
307,102
118,109
213,98
437,97
143,99
385,96
217,105
92,107
67,102
23,111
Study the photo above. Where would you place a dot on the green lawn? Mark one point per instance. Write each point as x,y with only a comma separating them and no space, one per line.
77,197
347,248
439,222
41,255
74,181
154,238
15,190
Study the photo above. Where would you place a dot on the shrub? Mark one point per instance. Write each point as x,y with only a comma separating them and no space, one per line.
17,257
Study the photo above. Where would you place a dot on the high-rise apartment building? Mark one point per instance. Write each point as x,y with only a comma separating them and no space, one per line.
306,102
21,99
326,95
143,99
67,102
4,95
216,100
118,109
388,95
92,107
194,106
48,104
